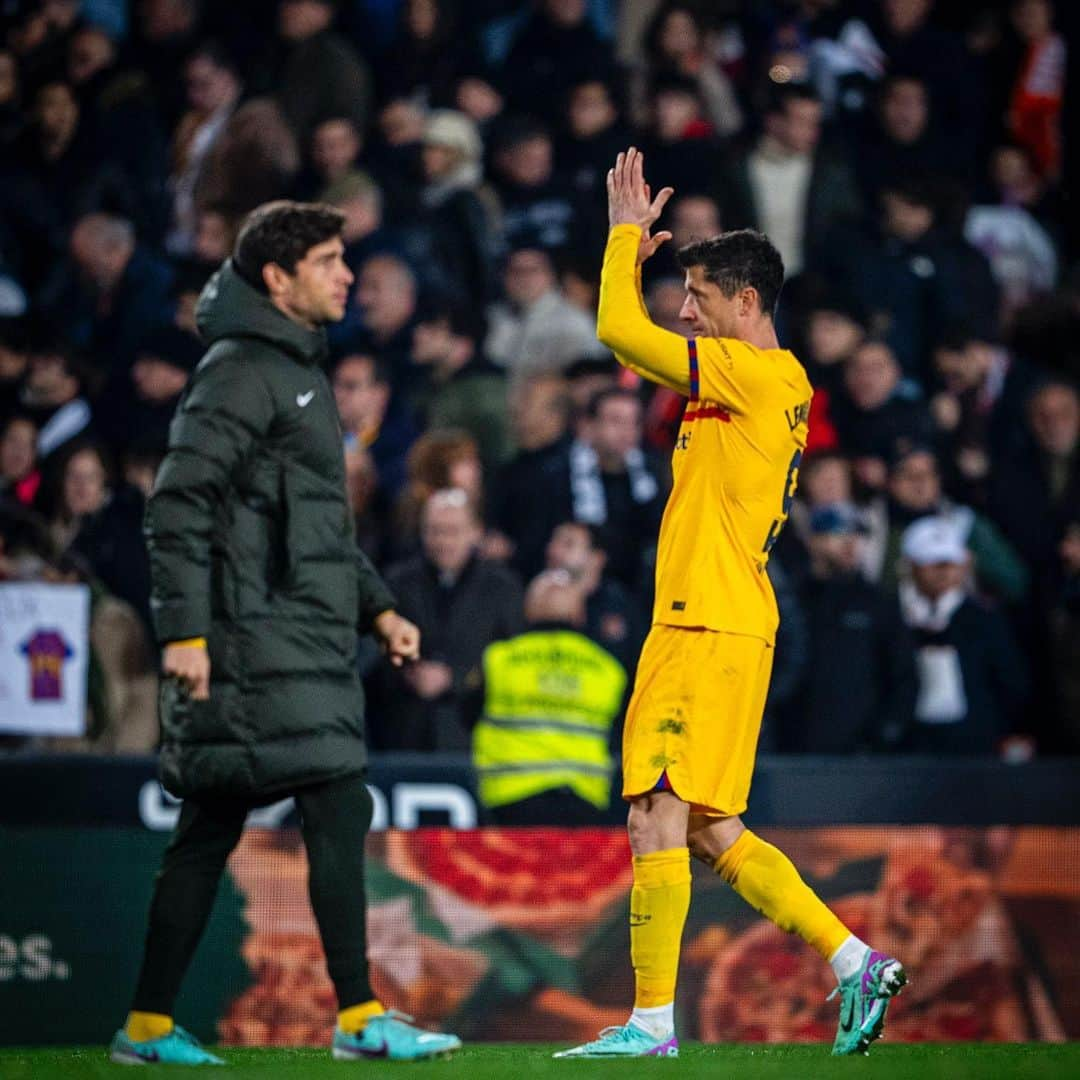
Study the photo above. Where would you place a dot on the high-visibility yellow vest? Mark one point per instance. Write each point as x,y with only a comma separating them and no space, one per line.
550,699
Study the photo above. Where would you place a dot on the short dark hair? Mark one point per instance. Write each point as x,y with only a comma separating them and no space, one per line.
282,233
380,370
740,259
786,93
610,393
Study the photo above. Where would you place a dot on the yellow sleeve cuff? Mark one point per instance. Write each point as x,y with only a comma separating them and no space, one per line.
191,642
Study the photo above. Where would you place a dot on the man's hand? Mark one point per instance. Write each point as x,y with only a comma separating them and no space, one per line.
429,679
190,665
630,201
398,637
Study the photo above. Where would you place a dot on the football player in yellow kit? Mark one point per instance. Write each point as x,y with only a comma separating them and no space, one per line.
692,725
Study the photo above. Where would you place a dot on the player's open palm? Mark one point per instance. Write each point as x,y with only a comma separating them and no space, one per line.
630,201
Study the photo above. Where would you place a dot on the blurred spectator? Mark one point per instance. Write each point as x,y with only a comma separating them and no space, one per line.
20,476
119,104
860,684
680,143
904,140
551,698
913,43
426,53
461,604
915,491
335,150
360,199
464,390
254,160
978,411
386,294
555,49
538,207
1039,92
102,523
674,44
1015,181
593,137
604,479
54,395
138,414
456,213
874,419
910,275
692,217
972,678
213,92
322,76
374,422
111,293
438,460
1036,490
167,36
789,185
535,327
1020,253
215,234
589,376
612,617
62,163
540,408
836,326
12,115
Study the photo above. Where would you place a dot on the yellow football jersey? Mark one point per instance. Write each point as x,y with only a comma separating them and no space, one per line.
735,464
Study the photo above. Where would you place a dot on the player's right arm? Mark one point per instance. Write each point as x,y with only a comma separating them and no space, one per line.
225,409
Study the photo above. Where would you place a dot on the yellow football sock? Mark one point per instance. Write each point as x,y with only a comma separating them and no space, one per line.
768,881
144,1026
354,1019
659,902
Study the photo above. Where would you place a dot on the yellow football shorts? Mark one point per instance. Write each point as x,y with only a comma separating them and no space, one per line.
693,721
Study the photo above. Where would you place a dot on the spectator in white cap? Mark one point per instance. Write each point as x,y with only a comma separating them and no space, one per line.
459,213
972,677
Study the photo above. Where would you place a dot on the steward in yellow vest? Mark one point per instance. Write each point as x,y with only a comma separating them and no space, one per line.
551,698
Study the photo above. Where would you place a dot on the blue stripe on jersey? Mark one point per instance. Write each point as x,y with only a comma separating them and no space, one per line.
695,384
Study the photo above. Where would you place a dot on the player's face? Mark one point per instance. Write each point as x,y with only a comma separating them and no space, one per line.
319,288
707,311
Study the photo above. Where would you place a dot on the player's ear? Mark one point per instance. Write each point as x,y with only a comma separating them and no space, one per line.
275,279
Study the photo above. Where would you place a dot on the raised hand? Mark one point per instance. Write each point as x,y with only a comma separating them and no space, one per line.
630,201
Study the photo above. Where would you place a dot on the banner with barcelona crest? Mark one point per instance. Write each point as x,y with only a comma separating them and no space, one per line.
44,633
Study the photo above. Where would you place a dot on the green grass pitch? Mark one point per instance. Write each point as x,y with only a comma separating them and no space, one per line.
514,1061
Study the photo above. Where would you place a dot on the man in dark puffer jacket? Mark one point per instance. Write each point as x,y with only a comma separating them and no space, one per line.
259,591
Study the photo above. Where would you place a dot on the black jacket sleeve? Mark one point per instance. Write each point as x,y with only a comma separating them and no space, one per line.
226,408
375,596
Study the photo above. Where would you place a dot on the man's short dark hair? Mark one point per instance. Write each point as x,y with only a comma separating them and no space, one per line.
783,95
282,233
380,370
610,393
740,259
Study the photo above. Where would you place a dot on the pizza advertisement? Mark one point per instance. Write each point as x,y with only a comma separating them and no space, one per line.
521,934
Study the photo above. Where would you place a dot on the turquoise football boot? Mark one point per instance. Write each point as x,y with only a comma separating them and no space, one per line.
864,999
392,1035
179,1047
626,1041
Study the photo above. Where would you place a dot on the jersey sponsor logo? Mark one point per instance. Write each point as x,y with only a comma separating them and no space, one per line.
683,441
303,400
678,605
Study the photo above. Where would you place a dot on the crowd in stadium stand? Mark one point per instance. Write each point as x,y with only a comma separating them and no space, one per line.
905,157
